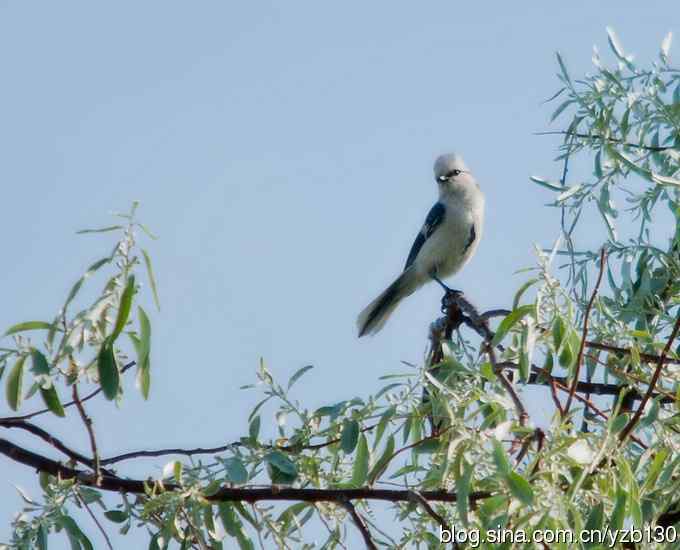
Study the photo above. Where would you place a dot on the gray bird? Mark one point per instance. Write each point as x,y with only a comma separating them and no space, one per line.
446,242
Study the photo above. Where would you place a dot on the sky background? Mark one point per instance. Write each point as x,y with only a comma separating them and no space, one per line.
283,153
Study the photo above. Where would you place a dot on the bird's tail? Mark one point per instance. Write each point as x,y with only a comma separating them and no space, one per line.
375,315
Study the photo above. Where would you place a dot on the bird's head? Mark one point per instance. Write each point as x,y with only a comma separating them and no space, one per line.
452,175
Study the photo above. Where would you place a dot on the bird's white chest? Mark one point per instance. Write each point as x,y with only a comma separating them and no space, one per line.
453,243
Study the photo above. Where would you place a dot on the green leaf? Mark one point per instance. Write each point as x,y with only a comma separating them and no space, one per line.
349,436
514,317
152,279
117,516
500,458
547,184
28,325
102,230
563,67
520,488
144,353
14,383
595,518
298,374
619,512
463,491
655,469
360,469
233,525
254,428
123,308
109,377
41,539
615,44
521,291
281,462
79,283
560,109
51,399
40,364
236,471
384,461
559,329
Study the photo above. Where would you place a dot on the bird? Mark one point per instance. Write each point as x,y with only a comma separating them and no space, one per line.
448,239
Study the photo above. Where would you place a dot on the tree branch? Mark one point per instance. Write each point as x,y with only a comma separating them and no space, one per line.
642,146
360,524
90,432
652,384
225,494
70,403
579,357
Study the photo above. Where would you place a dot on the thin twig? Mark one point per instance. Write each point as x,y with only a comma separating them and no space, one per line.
70,403
360,524
213,450
647,357
652,384
433,513
49,438
579,357
94,518
555,398
90,432
605,138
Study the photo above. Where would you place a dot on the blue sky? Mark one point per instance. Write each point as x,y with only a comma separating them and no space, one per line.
283,152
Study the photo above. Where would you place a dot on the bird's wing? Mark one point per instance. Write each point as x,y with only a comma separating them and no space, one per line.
434,218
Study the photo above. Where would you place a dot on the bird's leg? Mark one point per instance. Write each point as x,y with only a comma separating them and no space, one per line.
447,291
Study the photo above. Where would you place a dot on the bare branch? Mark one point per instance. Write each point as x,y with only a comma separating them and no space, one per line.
642,146
90,432
586,316
360,524
652,384
94,518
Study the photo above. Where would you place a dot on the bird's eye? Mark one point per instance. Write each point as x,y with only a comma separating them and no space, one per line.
456,173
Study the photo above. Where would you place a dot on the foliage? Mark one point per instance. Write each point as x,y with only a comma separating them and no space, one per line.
601,461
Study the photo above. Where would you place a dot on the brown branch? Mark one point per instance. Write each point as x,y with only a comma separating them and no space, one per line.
162,452
454,304
605,138
360,524
90,432
555,398
586,316
213,450
70,403
225,494
49,438
433,514
652,384
647,357
94,518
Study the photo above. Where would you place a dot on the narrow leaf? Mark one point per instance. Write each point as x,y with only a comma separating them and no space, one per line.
109,377
360,469
123,308
510,321
349,436
51,399
28,325
152,279
384,461
14,383
298,374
